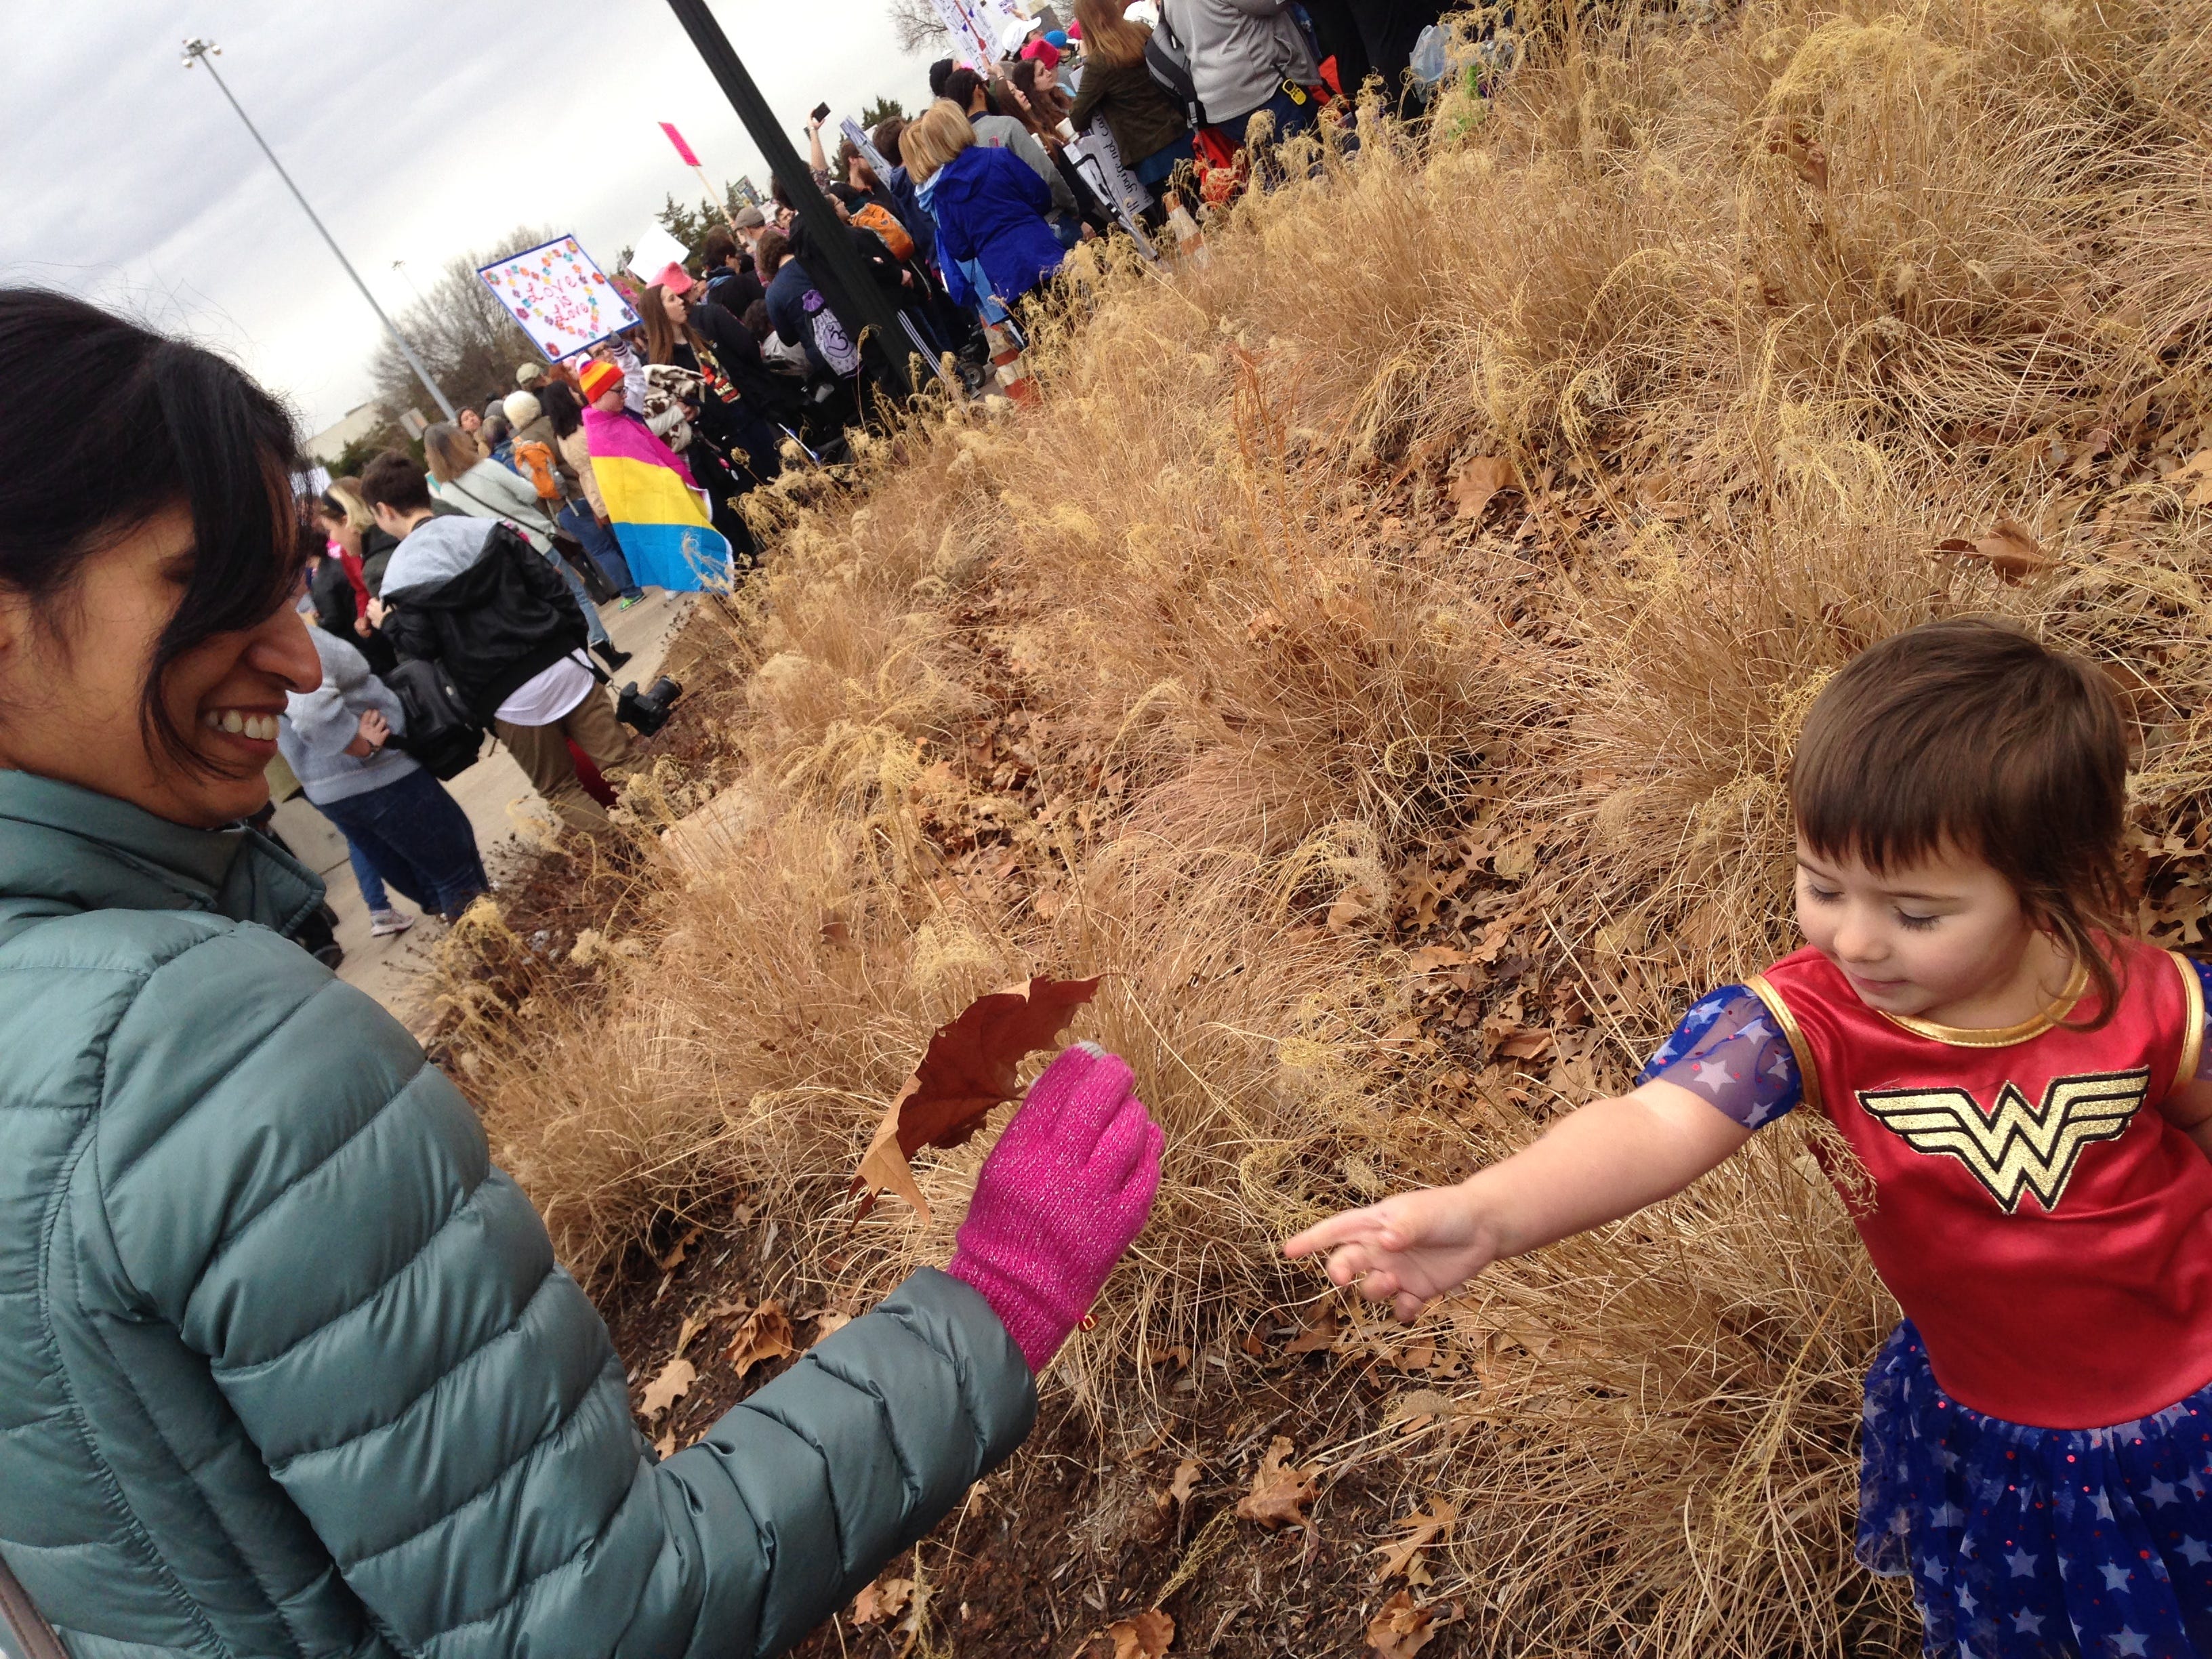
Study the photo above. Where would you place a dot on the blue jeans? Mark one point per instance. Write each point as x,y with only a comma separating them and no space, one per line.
1152,171
365,877
580,521
419,840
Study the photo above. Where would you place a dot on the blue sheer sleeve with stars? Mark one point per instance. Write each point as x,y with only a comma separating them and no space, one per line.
1728,1051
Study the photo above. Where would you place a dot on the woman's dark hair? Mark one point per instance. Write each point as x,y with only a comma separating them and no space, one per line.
1970,735
105,424
770,251
561,407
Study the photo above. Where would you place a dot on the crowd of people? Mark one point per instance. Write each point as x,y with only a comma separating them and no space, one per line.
602,467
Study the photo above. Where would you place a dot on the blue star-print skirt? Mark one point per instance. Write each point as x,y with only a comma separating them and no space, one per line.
2023,1542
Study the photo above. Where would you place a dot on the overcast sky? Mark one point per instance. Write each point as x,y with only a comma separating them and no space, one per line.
418,128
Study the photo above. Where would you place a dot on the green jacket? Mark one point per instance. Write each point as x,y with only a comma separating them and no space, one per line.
288,1368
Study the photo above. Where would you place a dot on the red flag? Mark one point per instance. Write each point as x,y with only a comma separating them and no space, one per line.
683,149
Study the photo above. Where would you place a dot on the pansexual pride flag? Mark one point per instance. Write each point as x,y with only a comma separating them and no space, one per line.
659,516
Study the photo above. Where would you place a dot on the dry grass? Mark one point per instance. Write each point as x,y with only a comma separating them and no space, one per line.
1178,677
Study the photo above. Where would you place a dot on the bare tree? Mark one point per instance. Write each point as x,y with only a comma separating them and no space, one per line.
462,333
915,24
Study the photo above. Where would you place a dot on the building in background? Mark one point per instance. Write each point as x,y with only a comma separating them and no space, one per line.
331,442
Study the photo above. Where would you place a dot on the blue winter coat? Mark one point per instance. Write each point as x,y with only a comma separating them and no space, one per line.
287,1368
991,208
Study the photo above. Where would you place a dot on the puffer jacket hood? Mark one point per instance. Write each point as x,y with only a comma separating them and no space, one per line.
286,1367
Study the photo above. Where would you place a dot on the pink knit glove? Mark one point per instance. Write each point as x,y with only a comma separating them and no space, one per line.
1069,1184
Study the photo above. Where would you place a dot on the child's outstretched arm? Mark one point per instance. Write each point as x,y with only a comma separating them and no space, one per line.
1605,1161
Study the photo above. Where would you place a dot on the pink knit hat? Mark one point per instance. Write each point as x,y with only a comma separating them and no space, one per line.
674,279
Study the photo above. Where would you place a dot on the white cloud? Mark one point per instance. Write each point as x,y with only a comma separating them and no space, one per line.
418,129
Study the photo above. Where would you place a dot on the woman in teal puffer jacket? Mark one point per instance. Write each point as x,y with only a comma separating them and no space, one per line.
286,1366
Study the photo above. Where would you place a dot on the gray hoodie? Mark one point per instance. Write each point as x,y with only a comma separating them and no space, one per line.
1241,52
316,727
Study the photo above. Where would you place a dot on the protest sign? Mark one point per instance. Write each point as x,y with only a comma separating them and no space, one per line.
560,298
655,251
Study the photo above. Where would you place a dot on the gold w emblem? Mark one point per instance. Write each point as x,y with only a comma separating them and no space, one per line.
2017,1148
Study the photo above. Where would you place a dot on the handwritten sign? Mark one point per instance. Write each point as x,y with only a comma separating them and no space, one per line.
560,297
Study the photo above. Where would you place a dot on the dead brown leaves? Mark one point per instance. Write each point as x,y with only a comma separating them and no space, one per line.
674,1382
886,1598
968,1067
1145,1636
1400,1629
1478,478
765,1335
1281,1491
1401,1558
2010,549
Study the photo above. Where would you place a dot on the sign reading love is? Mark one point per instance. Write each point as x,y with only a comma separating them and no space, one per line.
561,299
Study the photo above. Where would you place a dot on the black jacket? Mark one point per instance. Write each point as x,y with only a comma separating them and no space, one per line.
376,548
471,594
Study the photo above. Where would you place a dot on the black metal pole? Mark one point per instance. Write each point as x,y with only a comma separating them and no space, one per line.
862,306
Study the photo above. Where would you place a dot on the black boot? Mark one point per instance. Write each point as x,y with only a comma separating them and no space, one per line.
606,651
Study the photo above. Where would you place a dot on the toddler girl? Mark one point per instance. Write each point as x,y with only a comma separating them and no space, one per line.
2024,1084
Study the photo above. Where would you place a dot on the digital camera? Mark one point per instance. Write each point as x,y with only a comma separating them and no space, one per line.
648,710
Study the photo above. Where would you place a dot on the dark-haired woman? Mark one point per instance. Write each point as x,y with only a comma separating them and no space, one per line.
733,446
287,1366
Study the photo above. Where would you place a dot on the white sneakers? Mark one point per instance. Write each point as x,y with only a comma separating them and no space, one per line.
383,924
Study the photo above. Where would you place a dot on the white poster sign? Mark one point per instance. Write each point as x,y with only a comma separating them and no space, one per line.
561,299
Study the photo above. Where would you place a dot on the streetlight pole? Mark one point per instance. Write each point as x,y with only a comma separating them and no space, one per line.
859,305
201,51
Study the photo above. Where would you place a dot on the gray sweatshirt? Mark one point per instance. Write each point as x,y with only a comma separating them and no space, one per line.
1241,52
1003,132
316,727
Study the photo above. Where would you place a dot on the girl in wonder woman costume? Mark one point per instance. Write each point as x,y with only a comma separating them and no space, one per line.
2029,1088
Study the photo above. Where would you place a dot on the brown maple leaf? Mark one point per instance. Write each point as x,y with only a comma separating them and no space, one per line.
968,1067
765,1335
1400,1629
1280,1492
1423,1529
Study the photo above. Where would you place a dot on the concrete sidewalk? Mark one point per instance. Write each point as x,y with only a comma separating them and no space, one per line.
394,971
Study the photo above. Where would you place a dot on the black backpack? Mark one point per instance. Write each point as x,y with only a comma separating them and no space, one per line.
1168,62
441,734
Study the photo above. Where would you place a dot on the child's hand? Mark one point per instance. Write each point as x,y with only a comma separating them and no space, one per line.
1407,1250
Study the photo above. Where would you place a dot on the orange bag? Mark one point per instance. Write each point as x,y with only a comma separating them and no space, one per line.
873,216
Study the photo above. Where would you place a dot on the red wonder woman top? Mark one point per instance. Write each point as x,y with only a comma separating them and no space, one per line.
2039,1220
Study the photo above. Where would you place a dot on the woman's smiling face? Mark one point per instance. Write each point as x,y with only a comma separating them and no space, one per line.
72,684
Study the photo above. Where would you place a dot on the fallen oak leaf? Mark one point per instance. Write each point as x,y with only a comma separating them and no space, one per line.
1400,1629
674,1382
1280,1491
765,1335
968,1067
1474,481
674,1259
696,1322
2010,549
885,1599
1317,1336
1185,1481
1424,1528
1146,1635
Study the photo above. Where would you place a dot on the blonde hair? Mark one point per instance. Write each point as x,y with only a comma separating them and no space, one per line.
450,452
352,508
942,133
1108,38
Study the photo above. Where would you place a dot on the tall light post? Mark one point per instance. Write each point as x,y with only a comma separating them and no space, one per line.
201,51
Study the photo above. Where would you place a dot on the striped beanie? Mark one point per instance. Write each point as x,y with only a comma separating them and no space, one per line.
599,378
